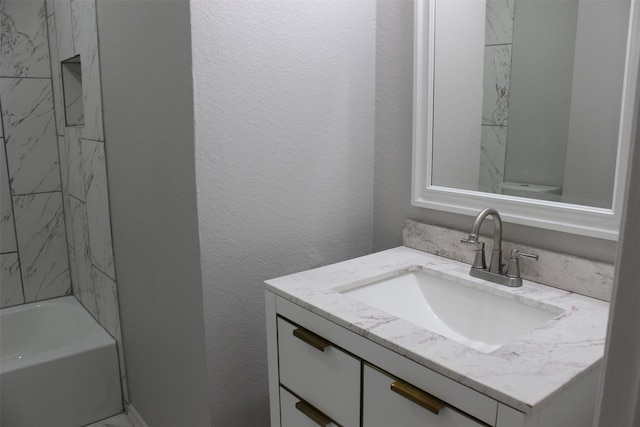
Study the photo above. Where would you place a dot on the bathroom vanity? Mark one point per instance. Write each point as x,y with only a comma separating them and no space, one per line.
338,358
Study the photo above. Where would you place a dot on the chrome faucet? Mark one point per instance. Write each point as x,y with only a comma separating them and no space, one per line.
495,273
495,266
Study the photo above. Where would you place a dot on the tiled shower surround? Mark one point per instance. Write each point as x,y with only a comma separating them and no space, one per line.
496,88
55,227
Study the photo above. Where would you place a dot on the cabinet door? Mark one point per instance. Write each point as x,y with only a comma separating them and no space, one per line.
321,374
383,407
295,412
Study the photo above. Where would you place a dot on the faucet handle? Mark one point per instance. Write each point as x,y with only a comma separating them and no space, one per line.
472,240
513,269
479,262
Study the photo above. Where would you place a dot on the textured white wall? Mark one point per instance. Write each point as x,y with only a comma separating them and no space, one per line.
284,125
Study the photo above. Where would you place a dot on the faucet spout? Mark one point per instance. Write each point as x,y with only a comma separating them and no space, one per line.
496,255
495,273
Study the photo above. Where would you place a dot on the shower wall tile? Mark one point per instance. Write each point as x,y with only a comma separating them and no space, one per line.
10,282
75,163
492,158
86,42
497,77
42,245
25,51
84,288
7,229
499,22
30,135
106,302
98,206
64,30
55,68
72,88
63,149
73,268
108,314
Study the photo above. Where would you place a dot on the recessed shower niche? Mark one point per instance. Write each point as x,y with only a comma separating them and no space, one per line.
72,91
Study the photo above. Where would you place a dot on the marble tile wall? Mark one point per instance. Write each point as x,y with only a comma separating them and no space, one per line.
33,257
495,101
73,33
55,226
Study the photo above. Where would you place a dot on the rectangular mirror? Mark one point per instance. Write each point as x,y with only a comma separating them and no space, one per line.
525,106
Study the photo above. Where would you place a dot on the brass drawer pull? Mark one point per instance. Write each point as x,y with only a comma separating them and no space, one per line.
313,414
311,339
418,396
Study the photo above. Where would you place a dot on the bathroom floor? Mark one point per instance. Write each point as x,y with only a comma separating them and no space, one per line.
120,420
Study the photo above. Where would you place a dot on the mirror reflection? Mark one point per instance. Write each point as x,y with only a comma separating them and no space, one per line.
532,107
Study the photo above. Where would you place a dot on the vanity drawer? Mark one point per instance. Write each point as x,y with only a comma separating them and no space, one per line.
388,401
295,412
321,374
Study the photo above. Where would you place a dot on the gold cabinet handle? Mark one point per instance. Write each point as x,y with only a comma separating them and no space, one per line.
311,339
418,396
313,414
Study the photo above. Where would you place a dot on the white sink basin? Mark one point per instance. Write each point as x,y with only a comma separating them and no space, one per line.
478,319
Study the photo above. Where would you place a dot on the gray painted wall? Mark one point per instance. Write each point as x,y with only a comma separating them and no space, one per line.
284,112
145,50
595,111
544,38
393,145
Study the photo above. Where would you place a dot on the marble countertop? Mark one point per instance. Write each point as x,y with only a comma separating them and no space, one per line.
522,374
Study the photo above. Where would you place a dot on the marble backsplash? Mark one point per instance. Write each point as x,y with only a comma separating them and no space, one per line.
582,276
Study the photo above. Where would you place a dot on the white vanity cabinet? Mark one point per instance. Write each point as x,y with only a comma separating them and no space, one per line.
321,373
295,412
389,401
316,372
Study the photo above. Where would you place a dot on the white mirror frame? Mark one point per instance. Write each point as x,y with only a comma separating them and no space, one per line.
568,218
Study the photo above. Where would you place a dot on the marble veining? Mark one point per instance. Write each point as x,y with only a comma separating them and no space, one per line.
73,266
85,36
63,149
496,88
586,277
30,135
95,179
25,51
74,162
499,22
10,281
523,373
64,29
492,158
85,290
7,229
497,80
42,245
55,66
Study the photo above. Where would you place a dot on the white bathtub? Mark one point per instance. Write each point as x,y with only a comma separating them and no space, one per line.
58,366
